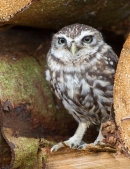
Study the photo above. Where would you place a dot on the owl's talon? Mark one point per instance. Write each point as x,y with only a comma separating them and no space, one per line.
57,147
72,145
53,149
82,147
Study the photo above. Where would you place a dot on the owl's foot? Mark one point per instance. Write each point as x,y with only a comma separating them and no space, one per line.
84,145
97,141
73,142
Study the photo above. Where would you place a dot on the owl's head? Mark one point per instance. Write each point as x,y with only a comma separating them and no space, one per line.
76,40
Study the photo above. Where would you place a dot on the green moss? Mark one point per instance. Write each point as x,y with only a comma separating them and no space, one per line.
17,78
25,152
23,80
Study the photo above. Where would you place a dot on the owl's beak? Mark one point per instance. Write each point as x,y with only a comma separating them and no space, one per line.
73,48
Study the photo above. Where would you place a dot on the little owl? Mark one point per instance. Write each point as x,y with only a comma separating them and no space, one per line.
81,68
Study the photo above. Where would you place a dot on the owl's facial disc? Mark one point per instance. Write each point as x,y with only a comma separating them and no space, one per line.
74,45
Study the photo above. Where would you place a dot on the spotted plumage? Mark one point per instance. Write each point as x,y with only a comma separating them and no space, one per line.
81,68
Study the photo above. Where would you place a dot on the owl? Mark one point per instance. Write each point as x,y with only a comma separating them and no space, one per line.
81,68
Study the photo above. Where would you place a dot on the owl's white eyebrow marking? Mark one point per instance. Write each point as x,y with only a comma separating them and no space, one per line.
84,33
64,36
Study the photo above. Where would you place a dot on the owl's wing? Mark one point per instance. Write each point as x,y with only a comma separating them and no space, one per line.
113,58
96,91
48,72
51,77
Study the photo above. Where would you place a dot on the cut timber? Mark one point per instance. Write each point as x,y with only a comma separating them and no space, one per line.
73,159
8,8
54,14
122,94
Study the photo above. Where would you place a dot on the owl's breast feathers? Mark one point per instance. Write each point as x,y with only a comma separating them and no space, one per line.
86,87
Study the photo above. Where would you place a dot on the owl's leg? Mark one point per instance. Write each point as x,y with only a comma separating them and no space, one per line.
75,140
98,139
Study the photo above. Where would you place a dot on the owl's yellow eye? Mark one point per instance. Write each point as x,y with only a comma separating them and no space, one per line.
61,41
87,39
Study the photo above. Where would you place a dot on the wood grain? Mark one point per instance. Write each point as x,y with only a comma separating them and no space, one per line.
122,94
73,159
